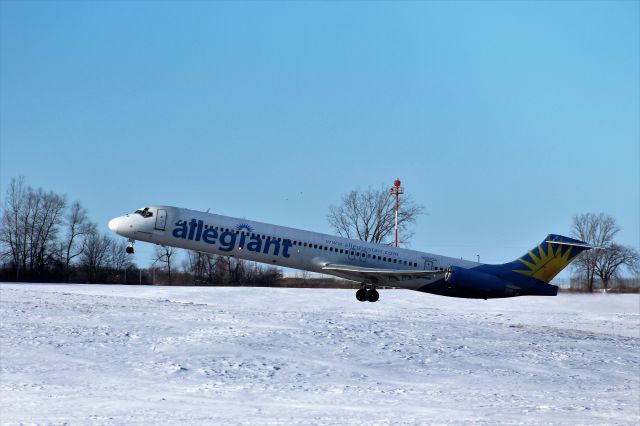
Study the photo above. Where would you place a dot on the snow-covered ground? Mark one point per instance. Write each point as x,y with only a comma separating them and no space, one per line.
88,354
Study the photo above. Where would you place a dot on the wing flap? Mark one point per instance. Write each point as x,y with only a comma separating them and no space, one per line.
378,275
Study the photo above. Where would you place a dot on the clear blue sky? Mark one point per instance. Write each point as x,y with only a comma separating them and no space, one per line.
503,118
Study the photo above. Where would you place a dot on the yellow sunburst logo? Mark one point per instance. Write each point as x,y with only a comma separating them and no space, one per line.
543,265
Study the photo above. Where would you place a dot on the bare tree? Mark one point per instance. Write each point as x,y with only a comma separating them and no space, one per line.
237,269
78,227
48,210
164,254
612,258
598,230
118,258
95,255
30,225
12,229
605,259
200,265
368,215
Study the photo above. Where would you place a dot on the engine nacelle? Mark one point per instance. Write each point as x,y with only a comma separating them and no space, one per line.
469,279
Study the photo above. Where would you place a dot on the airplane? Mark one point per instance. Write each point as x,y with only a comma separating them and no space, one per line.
371,265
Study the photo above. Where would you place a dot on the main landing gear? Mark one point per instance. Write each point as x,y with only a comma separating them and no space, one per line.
130,247
367,293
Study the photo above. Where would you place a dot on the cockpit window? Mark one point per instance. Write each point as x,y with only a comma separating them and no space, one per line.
144,212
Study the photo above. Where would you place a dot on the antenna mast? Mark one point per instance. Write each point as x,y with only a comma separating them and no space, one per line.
396,190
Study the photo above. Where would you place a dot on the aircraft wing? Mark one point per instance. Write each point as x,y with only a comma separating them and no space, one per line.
381,276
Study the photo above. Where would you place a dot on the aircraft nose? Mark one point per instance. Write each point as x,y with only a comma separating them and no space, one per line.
113,224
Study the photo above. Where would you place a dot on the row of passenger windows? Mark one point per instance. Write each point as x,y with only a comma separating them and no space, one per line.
354,253
318,246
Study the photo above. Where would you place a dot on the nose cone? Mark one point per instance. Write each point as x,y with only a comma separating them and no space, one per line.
114,223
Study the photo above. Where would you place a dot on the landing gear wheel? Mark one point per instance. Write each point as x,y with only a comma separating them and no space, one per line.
367,293
361,295
129,249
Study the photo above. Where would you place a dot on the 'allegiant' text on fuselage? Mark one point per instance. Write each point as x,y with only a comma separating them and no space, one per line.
195,230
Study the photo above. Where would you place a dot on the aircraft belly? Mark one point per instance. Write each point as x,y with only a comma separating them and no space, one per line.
413,284
407,283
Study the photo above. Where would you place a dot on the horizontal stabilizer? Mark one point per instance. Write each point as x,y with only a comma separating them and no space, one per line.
566,241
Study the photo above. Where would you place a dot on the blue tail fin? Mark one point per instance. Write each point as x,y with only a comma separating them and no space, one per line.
549,258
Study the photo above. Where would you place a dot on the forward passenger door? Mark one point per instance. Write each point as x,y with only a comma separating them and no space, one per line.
161,219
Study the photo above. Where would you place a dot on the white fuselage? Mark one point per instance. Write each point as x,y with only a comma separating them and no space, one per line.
272,244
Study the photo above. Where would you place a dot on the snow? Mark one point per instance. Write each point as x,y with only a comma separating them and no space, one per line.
164,355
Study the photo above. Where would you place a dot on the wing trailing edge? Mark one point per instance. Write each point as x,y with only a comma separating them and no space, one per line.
381,276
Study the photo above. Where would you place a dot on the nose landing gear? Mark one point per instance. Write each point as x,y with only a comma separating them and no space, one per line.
367,293
130,247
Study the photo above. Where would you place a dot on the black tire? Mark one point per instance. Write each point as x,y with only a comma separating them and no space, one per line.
373,296
361,295
129,250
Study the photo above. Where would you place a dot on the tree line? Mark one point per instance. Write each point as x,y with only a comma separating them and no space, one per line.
43,237
199,268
